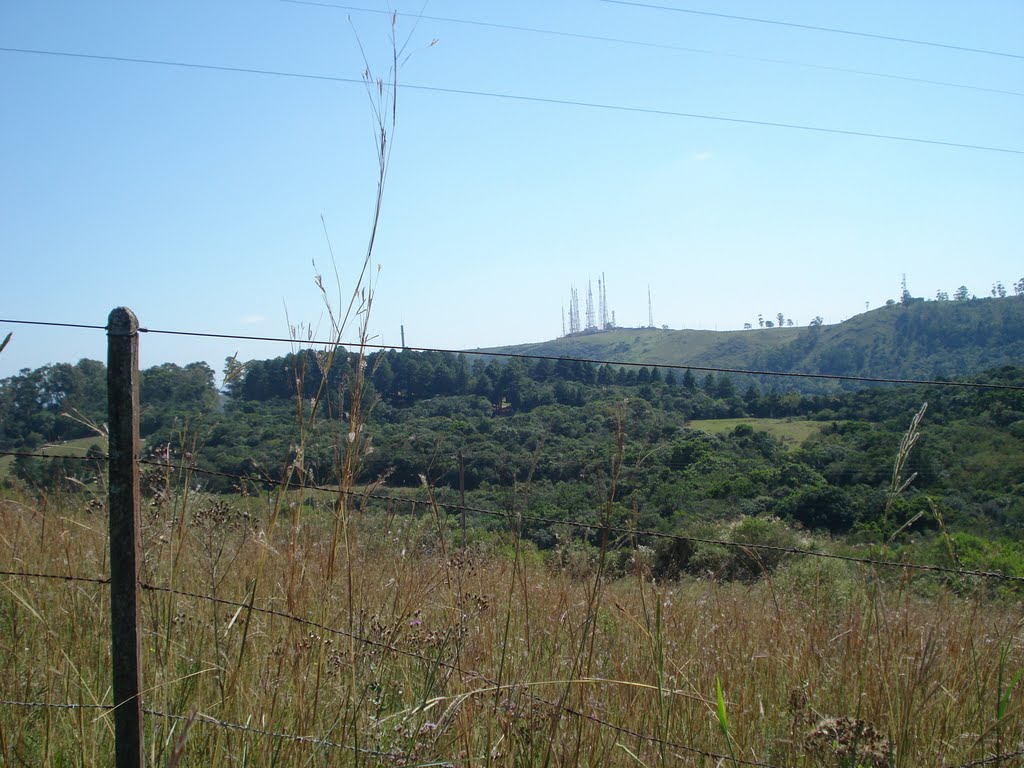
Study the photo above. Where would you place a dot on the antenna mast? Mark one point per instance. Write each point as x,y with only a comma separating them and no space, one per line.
590,307
602,299
650,309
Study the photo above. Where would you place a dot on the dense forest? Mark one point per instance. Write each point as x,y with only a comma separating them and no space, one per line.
557,435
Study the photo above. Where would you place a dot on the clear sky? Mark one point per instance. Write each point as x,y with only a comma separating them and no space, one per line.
195,196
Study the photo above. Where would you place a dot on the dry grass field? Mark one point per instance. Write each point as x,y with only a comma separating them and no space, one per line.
412,652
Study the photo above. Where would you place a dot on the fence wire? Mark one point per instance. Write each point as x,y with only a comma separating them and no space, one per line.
552,358
55,576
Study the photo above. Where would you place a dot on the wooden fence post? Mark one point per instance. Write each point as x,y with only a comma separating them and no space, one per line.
125,549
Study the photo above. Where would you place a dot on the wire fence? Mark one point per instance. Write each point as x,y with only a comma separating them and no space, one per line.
514,519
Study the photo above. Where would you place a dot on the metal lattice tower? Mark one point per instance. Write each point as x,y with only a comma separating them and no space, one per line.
574,311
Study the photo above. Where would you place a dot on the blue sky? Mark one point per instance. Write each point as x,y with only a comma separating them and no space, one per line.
195,196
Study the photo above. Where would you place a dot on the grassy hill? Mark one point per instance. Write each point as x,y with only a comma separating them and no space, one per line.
934,339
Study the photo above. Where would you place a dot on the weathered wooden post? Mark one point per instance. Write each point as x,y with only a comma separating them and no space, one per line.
125,550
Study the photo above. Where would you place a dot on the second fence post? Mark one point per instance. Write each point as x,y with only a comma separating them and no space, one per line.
125,549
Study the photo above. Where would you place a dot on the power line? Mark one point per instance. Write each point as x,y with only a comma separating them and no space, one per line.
524,98
666,47
812,27
558,358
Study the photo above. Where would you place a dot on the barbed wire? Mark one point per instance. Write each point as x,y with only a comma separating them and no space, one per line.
55,576
209,720
200,717
54,705
556,358
1000,758
594,361
36,455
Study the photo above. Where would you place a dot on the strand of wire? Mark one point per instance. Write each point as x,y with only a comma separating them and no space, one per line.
56,325
524,98
207,719
597,361
32,455
662,46
994,759
622,530
53,705
559,358
283,735
815,28
55,576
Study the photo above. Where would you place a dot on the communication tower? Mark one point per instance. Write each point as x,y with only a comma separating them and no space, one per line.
591,325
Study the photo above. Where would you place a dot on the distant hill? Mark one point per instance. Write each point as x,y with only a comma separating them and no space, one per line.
923,339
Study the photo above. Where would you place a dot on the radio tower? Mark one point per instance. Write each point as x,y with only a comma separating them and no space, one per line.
591,325
574,311
563,319
650,309
602,300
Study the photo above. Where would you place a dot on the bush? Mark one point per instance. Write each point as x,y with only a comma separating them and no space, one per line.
821,583
722,560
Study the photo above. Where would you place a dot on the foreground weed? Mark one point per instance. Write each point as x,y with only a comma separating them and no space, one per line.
723,719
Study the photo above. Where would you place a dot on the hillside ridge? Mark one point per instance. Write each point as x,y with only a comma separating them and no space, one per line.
933,339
